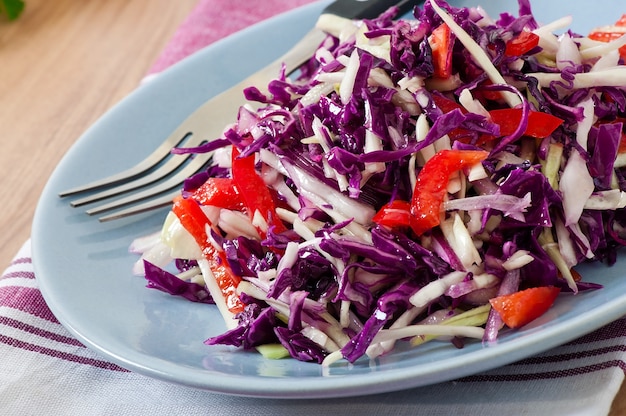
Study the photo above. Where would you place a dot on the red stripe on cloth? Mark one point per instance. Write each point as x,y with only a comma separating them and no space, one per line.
26,299
21,273
61,355
546,375
14,323
21,260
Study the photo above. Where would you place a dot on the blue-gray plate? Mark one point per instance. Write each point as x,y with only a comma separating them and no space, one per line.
84,268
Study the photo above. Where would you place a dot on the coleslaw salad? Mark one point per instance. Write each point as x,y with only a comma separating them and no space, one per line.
415,180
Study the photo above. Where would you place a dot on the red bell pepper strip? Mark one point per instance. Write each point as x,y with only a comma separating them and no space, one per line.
540,125
195,222
395,214
441,45
446,105
521,44
254,192
609,33
220,192
431,183
519,308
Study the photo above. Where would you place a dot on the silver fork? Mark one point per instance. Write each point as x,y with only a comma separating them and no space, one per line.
162,171
157,179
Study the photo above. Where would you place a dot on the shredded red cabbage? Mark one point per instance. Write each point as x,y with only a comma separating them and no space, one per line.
348,134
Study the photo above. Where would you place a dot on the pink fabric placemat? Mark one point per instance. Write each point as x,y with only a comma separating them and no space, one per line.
212,20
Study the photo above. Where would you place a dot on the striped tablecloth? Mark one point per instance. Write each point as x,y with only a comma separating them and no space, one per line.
44,370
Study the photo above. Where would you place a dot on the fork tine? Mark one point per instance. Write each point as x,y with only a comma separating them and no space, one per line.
160,202
158,155
173,163
197,162
222,107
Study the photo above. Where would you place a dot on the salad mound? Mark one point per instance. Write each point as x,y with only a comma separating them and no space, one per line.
433,178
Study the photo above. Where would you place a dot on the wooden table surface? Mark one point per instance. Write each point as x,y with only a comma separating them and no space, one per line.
63,64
